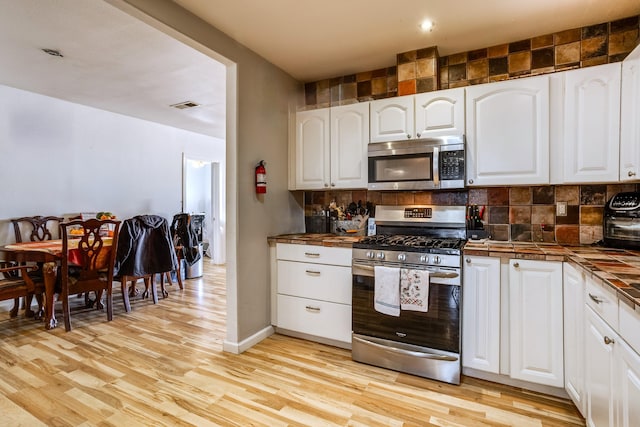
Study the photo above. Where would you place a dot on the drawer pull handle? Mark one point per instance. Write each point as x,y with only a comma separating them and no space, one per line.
595,298
315,273
312,254
631,173
312,308
608,340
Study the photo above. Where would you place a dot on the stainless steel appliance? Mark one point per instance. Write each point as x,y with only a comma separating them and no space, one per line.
622,221
423,164
421,343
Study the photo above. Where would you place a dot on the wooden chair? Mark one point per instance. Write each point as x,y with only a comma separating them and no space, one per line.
87,263
17,283
36,229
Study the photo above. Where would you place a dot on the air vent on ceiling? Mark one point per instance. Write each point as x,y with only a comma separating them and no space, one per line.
186,104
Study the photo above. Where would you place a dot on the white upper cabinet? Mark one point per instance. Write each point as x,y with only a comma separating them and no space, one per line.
535,315
349,139
630,118
312,149
592,124
331,147
392,119
507,125
440,113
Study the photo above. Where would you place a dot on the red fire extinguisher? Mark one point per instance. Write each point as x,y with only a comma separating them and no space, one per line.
261,178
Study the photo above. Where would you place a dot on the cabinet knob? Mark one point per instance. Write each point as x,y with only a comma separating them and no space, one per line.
470,181
408,136
608,340
333,184
631,173
516,264
418,134
468,261
326,185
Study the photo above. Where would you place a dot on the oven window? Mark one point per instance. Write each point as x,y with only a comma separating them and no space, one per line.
438,328
401,168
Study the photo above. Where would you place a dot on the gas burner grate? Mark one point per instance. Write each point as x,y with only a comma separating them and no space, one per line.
410,241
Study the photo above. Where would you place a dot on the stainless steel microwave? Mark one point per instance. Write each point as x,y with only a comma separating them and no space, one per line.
422,164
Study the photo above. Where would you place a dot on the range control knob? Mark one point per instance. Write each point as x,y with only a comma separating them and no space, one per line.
370,254
437,259
402,257
424,258
380,255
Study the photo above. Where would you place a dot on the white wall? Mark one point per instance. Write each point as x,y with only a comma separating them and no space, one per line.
257,128
61,158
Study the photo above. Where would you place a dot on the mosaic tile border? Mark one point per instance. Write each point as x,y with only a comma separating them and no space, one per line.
423,71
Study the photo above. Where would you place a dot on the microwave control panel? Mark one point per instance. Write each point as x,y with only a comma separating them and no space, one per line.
452,165
625,201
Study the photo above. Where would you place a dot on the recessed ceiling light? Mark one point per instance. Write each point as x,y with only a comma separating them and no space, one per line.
185,104
53,52
426,25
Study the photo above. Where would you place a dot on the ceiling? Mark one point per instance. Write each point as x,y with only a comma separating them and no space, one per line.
115,62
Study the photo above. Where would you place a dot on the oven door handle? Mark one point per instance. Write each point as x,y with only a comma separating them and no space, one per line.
368,270
408,352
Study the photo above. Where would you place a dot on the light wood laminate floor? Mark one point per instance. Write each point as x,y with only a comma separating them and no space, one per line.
163,365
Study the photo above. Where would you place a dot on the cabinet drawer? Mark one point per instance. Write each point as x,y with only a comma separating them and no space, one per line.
630,326
319,318
602,300
317,281
314,254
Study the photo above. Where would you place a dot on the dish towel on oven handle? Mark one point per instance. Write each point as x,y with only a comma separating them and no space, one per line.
386,297
414,290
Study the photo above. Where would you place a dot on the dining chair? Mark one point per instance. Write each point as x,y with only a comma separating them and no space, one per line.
87,263
34,229
145,249
15,282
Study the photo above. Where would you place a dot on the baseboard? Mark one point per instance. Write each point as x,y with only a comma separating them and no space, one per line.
247,343
503,379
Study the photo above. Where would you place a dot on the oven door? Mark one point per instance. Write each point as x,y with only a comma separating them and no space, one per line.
438,328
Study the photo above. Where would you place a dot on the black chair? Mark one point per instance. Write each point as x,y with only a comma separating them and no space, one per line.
145,248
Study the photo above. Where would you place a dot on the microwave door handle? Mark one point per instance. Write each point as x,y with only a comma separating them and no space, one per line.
435,166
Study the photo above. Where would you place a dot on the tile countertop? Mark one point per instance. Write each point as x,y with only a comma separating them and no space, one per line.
619,268
316,239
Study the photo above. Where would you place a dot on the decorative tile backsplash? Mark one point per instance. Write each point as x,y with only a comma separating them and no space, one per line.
512,213
423,70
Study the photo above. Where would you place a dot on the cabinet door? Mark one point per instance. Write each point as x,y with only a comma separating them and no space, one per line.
312,149
630,118
535,314
629,388
599,371
507,126
349,140
481,314
592,124
440,113
392,119
573,301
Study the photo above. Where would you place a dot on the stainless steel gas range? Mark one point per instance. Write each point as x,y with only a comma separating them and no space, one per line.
406,291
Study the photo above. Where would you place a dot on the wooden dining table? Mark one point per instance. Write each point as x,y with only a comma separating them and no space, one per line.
48,254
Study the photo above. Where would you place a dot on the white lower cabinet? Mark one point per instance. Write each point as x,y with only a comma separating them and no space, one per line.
599,371
535,311
629,389
481,314
573,302
313,292
532,350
